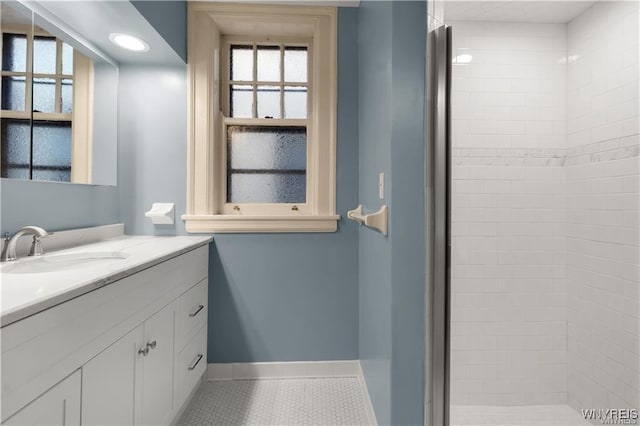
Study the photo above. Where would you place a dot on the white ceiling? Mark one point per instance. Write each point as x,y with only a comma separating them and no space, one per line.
86,25
541,11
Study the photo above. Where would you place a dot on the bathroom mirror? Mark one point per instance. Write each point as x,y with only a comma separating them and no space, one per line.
59,104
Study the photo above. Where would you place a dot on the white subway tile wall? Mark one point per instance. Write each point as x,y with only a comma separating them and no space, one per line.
509,316
546,219
602,207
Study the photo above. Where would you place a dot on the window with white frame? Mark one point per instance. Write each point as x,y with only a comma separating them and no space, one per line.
38,92
265,95
262,118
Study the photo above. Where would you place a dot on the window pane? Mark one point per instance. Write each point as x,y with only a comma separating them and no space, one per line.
44,94
269,102
295,102
266,164
67,95
13,93
295,64
44,55
52,150
268,63
266,188
241,101
266,148
15,148
67,59
241,63
14,52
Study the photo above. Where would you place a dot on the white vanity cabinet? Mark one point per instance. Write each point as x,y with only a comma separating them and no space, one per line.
109,380
128,353
191,340
157,368
60,405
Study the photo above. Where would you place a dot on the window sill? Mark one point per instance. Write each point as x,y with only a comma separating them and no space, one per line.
259,224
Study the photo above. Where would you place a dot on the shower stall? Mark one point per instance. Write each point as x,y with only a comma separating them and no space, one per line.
535,147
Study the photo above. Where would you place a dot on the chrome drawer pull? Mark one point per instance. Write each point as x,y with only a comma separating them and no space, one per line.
152,345
197,360
200,307
144,351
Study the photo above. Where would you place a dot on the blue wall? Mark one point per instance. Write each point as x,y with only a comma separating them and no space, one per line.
392,270
289,297
375,92
56,206
169,18
295,297
152,132
407,220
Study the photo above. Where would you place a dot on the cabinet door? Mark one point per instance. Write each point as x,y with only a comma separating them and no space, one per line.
60,405
157,380
108,382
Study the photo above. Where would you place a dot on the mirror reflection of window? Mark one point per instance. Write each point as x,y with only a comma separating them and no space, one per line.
38,93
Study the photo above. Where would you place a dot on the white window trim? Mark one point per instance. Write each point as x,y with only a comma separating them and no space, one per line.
206,168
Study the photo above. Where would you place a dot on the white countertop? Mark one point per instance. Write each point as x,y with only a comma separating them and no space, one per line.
25,294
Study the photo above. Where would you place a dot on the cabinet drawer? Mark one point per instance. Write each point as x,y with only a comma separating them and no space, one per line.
192,363
192,313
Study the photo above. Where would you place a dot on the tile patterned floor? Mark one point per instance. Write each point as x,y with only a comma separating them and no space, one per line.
330,401
530,415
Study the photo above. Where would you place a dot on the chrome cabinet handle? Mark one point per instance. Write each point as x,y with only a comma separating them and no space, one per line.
195,362
144,351
151,345
200,307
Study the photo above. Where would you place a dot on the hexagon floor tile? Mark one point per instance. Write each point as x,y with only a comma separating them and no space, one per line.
322,401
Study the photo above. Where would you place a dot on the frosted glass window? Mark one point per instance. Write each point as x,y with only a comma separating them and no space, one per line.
267,188
44,55
269,102
16,147
295,102
241,63
14,52
36,149
295,64
67,59
52,150
241,101
51,156
67,95
63,175
266,164
268,63
44,95
267,148
13,93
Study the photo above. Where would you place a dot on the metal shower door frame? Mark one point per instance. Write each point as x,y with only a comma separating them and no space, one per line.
441,164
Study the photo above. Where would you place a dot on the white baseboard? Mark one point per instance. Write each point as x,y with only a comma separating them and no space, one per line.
282,370
371,414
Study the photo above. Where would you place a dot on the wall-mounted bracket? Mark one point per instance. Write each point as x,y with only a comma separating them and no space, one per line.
377,220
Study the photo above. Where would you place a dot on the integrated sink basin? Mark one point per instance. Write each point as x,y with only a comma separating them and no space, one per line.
61,262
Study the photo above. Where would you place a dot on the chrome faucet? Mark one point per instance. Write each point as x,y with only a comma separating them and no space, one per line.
9,252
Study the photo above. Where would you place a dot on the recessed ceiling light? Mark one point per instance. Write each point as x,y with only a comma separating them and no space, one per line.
129,42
